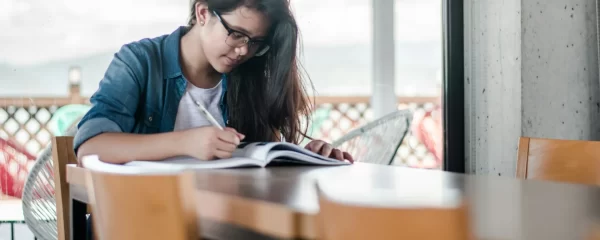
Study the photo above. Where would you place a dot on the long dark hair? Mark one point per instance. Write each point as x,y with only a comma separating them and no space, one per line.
266,94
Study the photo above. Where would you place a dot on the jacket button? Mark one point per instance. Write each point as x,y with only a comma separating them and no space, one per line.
150,119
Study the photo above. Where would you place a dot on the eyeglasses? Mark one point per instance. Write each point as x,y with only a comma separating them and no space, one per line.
238,39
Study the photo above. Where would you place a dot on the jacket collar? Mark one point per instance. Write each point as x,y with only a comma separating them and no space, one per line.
170,59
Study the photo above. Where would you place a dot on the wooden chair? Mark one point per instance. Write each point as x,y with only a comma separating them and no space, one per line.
46,192
62,154
133,205
345,221
569,161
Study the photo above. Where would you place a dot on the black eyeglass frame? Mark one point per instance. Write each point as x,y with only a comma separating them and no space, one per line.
262,45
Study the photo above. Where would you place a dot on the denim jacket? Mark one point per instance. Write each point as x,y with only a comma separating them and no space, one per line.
140,91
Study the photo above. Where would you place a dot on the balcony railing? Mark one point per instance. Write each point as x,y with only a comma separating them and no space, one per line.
27,121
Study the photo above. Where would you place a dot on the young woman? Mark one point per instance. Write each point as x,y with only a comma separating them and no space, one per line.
237,57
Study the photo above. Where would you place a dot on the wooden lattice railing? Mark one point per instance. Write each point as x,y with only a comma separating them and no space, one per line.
336,116
26,121
27,125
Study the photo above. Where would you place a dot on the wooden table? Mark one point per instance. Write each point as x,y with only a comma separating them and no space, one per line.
281,202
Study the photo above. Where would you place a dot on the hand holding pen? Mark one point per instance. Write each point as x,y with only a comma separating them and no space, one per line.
210,142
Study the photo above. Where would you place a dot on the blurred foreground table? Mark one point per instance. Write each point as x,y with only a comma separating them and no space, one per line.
281,202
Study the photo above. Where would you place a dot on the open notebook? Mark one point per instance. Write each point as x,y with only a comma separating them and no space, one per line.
256,154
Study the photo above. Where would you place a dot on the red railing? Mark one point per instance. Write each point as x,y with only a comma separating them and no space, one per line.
15,163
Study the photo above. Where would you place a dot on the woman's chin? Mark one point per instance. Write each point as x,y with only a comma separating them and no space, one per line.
223,68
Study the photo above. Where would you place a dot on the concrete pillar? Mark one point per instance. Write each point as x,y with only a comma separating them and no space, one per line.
383,99
531,69
493,85
560,70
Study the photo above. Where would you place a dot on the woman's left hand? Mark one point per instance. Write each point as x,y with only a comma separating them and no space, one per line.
326,150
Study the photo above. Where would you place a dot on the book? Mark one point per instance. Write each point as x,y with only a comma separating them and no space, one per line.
254,154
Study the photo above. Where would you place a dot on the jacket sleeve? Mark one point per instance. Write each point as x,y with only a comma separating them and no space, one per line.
115,102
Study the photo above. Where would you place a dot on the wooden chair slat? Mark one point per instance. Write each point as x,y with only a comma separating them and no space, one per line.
62,154
571,161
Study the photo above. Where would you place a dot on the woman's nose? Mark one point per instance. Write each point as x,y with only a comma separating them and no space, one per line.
242,51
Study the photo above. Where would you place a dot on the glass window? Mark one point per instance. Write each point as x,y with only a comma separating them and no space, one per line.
337,45
418,30
42,41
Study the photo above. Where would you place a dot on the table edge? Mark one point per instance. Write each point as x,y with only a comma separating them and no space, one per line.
257,215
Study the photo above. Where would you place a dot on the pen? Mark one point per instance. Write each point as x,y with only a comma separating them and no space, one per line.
207,115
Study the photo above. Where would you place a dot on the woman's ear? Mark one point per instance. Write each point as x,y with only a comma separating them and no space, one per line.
202,13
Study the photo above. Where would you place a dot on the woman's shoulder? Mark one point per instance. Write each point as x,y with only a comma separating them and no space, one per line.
148,45
143,49
151,54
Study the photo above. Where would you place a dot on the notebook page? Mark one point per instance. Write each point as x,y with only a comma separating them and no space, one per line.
185,162
295,157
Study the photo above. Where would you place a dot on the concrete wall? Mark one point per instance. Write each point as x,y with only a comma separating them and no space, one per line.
531,70
560,70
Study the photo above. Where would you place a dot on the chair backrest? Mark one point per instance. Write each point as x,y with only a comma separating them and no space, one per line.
45,202
39,201
338,220
150,206
379,140
62,154
570,161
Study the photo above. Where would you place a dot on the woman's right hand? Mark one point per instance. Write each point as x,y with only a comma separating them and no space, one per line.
208,143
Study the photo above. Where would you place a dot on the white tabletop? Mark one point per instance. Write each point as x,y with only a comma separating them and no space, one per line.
11,209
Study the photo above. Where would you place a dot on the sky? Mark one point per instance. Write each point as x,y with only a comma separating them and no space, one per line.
46,36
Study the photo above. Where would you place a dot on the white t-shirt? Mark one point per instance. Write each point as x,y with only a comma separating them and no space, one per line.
188,114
